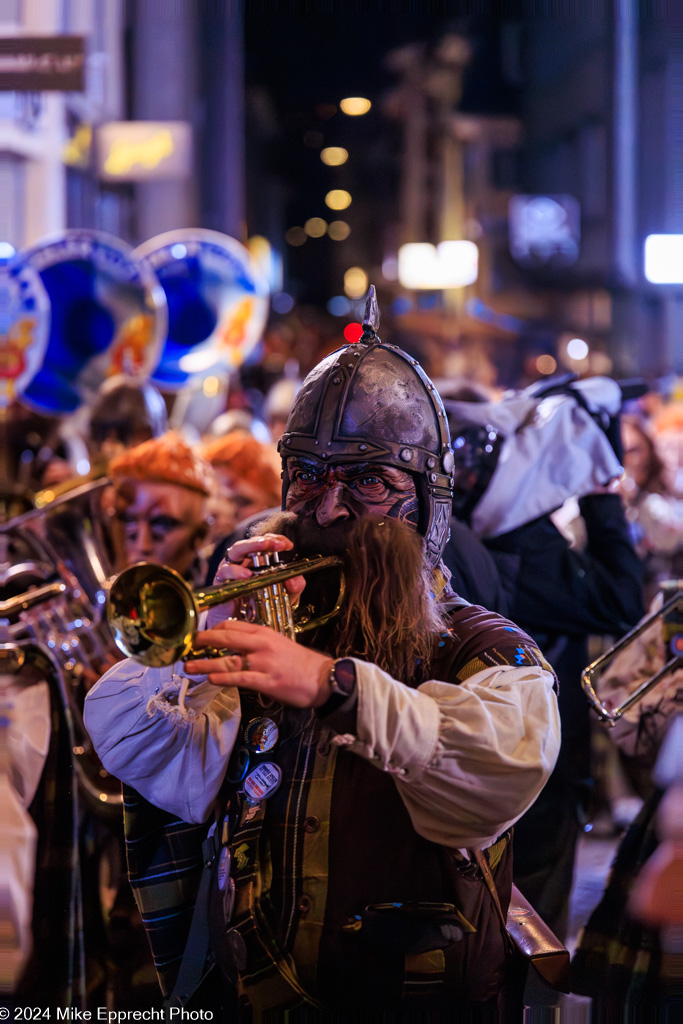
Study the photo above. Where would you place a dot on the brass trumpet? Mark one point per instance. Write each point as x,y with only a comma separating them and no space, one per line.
153,614
671,614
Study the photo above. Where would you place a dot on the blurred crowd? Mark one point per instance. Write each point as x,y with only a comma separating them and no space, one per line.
589,528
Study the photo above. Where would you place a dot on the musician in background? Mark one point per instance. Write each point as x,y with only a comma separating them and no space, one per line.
161,493
125,413
350,778
248,475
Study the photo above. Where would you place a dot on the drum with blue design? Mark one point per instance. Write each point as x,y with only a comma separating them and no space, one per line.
107,316
24,325
217,303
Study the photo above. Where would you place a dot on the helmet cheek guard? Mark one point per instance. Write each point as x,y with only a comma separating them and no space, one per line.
371,402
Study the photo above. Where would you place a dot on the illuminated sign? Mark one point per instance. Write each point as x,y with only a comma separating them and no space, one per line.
544,231
143,150
42,63
664,259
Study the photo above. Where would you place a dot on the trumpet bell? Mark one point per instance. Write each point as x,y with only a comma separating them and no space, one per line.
152,614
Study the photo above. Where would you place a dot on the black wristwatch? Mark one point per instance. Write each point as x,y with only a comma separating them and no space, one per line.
342,680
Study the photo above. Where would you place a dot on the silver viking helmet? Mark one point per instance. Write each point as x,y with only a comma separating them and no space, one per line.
373,402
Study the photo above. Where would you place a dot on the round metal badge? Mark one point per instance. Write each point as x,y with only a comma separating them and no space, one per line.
261,734
262,781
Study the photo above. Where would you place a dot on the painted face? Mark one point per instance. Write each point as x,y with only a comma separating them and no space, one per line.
158,522
332,493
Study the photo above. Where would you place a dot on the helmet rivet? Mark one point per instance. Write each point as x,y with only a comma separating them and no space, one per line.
405,454
362,447
336,380
432,477
448,462
288,440
431,462
325,455
317,442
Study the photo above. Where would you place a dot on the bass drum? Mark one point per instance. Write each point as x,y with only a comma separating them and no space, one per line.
217,303
107,316
24,327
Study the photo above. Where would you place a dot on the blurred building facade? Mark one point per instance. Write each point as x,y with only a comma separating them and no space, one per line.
146,63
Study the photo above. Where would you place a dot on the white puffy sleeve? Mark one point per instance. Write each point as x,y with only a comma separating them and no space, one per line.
467,759
172,747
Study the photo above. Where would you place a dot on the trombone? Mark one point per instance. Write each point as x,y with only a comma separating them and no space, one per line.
671,614
153,613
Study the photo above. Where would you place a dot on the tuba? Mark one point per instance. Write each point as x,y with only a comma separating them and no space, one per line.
45,607
217,303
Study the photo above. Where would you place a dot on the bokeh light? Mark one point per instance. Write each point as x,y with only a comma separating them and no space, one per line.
315,227
352,332
210,386
338,199
338,305
295,236
546,364
338,230
282,302
334,156
355,282
354,106
577,349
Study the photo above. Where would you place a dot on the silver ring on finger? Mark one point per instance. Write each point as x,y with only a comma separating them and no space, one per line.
245,665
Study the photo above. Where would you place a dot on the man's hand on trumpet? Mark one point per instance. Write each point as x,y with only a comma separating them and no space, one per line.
264,661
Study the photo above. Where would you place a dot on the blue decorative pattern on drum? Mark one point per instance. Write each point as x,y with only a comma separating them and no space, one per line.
24,326
108,316
217,303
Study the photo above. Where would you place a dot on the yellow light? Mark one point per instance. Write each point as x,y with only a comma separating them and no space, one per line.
355,282
546,364
338,199
315,227
123,154
210,387
338,230
334,156
295,236
354,106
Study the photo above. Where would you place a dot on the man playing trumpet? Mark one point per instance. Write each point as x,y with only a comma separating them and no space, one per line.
350,777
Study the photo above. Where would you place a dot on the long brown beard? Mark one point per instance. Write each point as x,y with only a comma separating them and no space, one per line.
388,615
